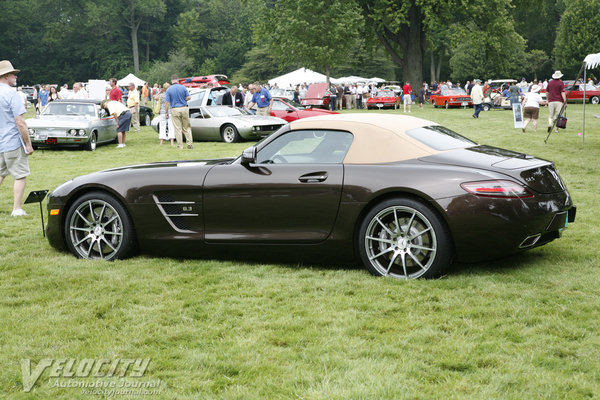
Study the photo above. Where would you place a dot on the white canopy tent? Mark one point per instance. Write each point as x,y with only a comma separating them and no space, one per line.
297,77
589,62
131,78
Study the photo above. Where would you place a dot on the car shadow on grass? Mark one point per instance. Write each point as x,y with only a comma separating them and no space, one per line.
511,264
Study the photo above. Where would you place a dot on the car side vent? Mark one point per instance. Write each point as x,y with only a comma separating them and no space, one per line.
175,212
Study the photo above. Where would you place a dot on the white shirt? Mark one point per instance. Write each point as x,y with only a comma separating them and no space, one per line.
532,100
81,94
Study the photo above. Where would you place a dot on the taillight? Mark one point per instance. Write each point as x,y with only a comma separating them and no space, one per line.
499,188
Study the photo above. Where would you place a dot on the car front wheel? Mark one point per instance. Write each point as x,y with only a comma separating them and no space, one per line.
92,142
404,238
486,107
230,134
147,119
97,226
594,99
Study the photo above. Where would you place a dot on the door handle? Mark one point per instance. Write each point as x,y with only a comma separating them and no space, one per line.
316,177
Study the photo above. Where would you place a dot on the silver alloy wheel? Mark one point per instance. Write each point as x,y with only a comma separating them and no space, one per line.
93,142
96,230
400,242
595,100
229,134
147,120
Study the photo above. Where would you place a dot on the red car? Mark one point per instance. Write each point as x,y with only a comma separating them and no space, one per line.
317,95
592,94
291,111
450,97
204,81
383,99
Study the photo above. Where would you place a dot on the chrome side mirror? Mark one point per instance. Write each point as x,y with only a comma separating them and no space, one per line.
249,156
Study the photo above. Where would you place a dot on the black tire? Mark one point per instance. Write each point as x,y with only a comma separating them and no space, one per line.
446,105
97,226
421,248
92,142
147,119
594,99
230,134
486,107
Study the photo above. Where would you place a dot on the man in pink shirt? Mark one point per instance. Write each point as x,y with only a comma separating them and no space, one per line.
556,97
115,93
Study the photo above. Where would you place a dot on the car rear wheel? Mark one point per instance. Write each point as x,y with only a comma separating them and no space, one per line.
230,134
486,107
404,238
594,99
147,119
98,227
92,142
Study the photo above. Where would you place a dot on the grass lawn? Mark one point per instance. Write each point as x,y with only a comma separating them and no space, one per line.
525,327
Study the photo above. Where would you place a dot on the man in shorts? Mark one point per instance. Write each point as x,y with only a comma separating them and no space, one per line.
15,144
122,116
407,90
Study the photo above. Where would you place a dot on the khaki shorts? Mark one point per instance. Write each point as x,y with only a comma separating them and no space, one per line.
15,163
407,99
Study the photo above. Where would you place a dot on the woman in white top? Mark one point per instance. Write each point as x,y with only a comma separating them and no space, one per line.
531,106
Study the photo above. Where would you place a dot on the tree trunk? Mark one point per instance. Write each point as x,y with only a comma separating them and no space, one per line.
414,48
439,66
432,68
134,26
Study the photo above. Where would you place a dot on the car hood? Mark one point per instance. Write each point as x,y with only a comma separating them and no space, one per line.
170,164
59,121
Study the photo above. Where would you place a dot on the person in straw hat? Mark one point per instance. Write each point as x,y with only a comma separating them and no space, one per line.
556,98
531,106
15,144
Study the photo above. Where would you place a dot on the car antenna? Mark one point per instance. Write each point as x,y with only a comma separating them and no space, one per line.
37,196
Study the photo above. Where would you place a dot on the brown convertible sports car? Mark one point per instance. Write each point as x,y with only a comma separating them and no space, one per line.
404,195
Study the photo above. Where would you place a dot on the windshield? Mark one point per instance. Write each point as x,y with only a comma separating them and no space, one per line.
453,91
223,111
70,109
385,93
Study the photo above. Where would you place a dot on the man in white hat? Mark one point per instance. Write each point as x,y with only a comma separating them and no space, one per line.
556,97
15,144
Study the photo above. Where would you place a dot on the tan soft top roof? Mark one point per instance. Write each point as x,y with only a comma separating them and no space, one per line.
378,138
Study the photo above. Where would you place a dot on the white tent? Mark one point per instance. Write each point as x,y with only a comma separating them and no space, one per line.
298,77
590,61
351,79
131,78
376,80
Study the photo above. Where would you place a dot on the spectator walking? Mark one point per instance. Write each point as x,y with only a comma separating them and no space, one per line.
406,89
176,99
122,116
115,93
556,97
359,96
515,94
263,100
340,96
348,96
296,97
15,144
477,97
531,106
133,102
166,130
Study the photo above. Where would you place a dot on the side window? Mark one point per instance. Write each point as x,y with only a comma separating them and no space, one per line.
196,99
307,147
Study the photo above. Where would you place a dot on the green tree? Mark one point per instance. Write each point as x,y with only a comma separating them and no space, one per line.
577,35
318,34
137,11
